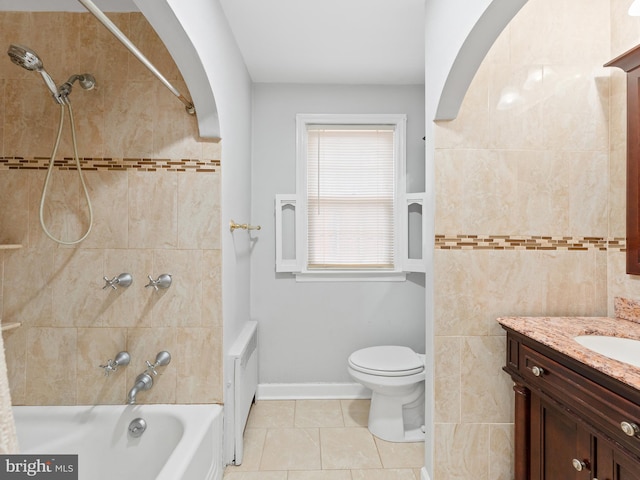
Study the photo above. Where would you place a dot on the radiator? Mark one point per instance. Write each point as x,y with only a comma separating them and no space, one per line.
244,355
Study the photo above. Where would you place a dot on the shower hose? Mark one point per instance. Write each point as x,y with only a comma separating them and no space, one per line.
50,170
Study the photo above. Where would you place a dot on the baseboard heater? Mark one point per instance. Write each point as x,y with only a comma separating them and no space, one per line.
244,354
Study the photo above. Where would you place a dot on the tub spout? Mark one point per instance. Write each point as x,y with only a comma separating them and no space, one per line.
143,382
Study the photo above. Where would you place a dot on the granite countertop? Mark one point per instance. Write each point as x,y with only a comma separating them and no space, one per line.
558,333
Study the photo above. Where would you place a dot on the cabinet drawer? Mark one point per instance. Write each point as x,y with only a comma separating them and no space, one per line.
600,407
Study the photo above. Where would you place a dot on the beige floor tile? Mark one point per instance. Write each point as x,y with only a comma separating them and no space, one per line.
318,413
253,446
320,475
355,412
271,414
231,474
348,448
291,449
384,474
400,455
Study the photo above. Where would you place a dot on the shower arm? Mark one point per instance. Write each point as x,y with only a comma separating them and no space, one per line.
102,18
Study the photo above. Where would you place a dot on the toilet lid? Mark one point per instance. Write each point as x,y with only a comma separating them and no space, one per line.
391,361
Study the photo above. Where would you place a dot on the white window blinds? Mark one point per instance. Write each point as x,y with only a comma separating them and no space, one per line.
350,196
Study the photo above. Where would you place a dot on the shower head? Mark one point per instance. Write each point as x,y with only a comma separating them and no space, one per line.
27,58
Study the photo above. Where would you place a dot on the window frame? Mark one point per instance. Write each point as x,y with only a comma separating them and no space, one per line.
397,273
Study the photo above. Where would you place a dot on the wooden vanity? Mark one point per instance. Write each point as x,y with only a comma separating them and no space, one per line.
577,413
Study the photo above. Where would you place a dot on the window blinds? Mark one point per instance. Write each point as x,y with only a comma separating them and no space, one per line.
350,196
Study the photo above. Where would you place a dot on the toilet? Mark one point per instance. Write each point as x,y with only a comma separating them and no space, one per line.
395,375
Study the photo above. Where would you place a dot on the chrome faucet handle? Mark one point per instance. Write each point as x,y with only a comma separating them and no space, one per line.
162,359
163,281
122,359
123,280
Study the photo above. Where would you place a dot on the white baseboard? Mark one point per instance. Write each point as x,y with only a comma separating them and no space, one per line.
306,391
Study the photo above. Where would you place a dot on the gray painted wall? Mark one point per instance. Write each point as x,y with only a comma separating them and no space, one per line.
307,330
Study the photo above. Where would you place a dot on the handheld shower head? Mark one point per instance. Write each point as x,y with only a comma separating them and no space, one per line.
27,58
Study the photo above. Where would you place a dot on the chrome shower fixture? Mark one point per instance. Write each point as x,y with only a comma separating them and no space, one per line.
28,59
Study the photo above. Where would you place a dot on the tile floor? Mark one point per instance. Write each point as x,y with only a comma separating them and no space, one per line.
320,440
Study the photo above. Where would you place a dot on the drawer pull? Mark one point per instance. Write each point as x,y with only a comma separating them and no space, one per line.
537,371
578,464
629,428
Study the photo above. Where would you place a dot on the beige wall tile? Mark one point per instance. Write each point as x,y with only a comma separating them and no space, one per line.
109,194
589,184
51,366
199,211
95,347
447,384
543,193
78,298
28,294
199,365
180,304
212,288
153,210
501,452
486,395
461,451
516,99
14,198
15,351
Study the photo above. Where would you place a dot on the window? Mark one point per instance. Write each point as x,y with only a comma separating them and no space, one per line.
350,204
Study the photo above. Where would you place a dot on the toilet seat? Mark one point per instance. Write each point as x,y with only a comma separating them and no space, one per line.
387,361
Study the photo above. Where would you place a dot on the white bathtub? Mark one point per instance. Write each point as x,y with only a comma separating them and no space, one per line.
181,442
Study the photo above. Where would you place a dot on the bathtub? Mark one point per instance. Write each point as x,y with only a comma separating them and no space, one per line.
181,442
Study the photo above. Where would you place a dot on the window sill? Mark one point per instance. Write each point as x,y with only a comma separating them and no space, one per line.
350,276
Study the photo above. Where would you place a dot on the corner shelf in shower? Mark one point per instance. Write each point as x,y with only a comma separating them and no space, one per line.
9,326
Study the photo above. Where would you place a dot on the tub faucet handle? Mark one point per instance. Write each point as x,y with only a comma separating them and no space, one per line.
162,359
123,280
163,281
122,359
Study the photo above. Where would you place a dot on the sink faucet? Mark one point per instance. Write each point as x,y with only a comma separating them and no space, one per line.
144,381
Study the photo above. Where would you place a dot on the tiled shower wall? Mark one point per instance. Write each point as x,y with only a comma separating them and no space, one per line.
155,190
528,216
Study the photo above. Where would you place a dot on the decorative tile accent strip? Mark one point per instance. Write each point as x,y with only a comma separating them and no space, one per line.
518,242
139,164
627,309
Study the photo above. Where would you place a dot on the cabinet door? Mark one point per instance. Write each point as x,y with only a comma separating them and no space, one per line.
561,449
613,464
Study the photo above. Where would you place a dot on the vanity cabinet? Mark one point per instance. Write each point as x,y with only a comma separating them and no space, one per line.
572,422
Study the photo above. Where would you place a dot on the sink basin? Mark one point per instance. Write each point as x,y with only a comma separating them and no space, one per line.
623,349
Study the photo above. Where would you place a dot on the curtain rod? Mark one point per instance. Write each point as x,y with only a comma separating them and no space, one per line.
102,18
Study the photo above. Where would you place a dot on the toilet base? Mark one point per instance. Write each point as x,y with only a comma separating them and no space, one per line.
387,417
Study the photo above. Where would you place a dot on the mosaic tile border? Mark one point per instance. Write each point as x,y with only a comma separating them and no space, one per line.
518,242
92,164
